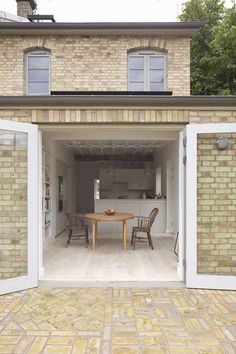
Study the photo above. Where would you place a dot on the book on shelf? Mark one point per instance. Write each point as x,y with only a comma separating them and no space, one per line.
47,204
47,191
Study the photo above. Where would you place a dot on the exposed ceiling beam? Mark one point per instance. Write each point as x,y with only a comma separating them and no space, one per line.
113,158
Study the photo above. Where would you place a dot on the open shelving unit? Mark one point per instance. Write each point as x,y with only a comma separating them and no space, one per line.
46,195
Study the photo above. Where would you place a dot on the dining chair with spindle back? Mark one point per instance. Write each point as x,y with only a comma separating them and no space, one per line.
77,227
144,226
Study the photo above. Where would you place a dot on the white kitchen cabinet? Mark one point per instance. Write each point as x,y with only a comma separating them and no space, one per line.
141,181
121,175
136,179
106,181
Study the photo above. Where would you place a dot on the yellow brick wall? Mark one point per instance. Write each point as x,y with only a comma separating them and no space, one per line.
212,116
216,212
13,204
91,63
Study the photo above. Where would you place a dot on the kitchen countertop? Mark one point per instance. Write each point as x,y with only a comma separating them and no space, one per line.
131,200
136,207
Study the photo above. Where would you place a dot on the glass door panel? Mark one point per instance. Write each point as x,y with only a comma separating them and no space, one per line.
211,207
18,206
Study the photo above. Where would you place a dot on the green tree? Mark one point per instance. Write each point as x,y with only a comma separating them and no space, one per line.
212,56
223,46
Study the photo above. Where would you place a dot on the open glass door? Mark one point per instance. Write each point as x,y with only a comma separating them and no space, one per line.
211,206
19,206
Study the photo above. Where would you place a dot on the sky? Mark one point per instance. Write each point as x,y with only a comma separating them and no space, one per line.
105,10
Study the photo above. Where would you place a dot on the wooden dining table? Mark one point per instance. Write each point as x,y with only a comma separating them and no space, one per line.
95,217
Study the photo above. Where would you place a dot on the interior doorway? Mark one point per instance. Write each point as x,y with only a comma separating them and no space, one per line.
125,184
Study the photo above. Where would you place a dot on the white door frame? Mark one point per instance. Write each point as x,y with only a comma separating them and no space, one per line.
194,280
90,131
31,279
182,209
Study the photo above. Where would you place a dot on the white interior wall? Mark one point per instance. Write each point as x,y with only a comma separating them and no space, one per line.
170,152
61,164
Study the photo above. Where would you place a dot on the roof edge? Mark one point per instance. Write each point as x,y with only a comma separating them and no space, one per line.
125,101
102,28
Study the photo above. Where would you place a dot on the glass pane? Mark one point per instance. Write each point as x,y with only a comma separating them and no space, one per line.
136,75
38,62
156,86
38,88
136,86
38,75
216,205
13,204
136,62
156,62
156,75
6,138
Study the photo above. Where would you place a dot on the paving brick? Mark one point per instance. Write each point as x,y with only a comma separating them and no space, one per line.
194,321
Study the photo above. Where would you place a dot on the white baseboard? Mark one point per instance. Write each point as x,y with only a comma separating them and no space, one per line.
180,271
41,272
169,232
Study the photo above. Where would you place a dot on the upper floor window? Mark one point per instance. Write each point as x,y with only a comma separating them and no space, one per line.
38,73
146,71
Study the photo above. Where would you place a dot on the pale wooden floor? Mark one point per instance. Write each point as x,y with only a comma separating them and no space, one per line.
109,262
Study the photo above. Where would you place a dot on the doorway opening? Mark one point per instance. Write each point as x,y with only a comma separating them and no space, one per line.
129,169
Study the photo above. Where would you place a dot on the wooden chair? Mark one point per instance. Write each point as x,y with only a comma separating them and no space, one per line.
144,226
77,228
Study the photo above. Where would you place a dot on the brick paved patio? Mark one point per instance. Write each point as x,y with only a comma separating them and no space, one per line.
118,321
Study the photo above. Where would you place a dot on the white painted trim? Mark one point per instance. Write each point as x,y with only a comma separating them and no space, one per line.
31,279
146,54
40,245
194,280
114,284
181,239
41,272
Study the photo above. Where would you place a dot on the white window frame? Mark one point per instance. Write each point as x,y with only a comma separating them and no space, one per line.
34,53
146,54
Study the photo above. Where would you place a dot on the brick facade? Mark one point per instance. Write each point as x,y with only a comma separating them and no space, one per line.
98,63
91,64
212,116
216,199
13,204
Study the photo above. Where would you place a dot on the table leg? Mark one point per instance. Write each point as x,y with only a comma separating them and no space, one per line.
94,234
124,234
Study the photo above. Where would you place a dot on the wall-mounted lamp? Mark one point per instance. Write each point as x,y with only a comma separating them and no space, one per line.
222,143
